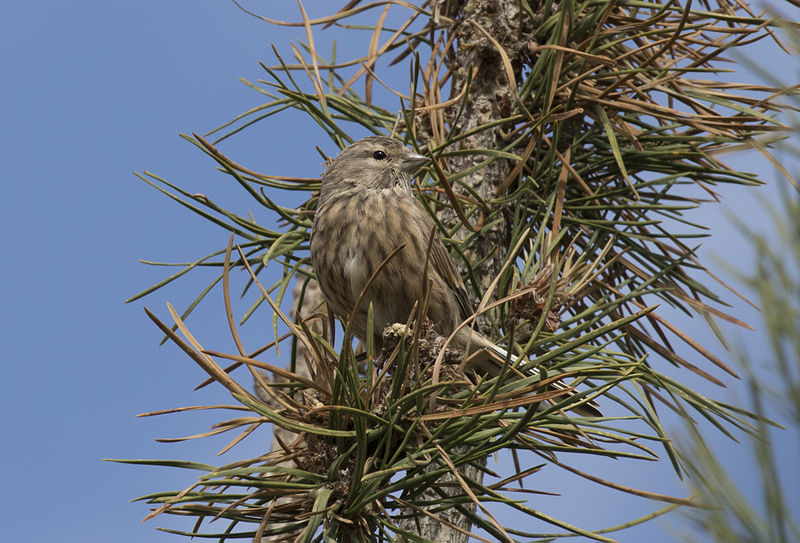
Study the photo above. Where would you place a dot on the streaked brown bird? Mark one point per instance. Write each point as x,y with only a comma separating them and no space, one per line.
366,210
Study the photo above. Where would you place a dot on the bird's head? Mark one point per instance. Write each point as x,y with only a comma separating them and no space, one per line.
376,162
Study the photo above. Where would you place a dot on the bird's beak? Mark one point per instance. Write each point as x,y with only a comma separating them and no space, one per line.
413,162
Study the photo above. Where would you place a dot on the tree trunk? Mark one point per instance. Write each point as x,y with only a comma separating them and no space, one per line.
491,97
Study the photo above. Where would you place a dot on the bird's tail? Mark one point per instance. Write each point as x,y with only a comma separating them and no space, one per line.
487,357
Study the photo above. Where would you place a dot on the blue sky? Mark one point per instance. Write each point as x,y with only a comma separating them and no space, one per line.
93,91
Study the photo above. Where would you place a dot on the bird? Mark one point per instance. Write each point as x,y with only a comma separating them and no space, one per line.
366,210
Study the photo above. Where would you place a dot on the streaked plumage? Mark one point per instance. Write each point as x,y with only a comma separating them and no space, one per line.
366,210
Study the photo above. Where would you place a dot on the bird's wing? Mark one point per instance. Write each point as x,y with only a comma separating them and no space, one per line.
440,261
446,269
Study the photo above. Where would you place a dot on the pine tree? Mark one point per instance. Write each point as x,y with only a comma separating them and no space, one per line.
569,139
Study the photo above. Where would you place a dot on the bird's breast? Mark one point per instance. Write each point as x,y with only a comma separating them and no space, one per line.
354,234
349,241
355,265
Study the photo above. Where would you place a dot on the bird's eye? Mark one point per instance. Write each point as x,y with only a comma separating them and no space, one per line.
379,155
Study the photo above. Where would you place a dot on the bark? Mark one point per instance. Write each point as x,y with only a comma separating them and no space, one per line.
491,97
